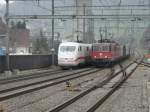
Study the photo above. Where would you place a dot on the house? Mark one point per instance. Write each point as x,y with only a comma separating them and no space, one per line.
18,39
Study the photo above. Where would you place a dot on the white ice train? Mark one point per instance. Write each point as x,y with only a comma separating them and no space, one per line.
72,54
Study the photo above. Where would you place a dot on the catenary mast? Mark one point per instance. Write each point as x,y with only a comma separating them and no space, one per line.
86,26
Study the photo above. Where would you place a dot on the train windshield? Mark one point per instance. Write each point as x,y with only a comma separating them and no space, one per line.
67,48
106,48
95,48
101,48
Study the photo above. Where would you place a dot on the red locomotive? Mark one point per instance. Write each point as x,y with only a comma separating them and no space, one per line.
148,57
108,52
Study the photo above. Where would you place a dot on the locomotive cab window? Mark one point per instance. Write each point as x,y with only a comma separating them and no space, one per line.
106,48
95,48
67,48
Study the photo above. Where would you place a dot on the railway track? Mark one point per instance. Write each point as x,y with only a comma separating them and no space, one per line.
115,87
146,64
28,76
95,87
20,90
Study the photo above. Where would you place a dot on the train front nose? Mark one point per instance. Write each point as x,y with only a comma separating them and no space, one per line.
67,61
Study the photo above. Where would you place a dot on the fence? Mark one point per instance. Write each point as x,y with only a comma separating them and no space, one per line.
24,62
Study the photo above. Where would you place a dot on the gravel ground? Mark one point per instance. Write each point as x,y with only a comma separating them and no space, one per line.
47,98
91,98
10,85
132,96
26,72
84,103
81,106
14,84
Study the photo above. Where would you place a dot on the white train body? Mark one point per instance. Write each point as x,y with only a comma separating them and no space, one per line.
73,54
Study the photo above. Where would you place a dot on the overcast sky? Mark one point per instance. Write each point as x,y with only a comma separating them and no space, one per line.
32,8
2,2
105,1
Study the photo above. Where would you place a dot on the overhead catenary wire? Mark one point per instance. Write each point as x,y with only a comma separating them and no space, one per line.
107,5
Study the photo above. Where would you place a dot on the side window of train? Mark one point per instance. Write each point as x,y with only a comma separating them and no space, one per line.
87,48
100,48
103,48
110,48
80,48
107,48
115,48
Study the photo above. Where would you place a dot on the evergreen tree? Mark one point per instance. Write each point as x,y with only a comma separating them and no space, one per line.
41,46
13,24
18,25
